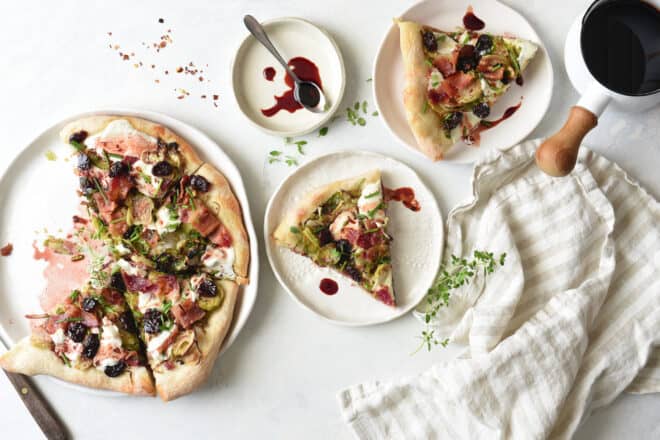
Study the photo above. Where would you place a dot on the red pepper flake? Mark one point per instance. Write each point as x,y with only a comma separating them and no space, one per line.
179,69
203,96
201,78
153,66
162,44
110,33
157,81
125,57
116,46
167,73
215,97
180,97
160,20
6,250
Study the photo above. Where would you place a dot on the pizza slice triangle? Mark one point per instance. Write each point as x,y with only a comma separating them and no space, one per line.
342,225
452,80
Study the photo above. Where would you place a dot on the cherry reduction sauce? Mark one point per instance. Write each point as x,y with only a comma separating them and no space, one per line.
306,71
406,195
269,73
328,286
472,22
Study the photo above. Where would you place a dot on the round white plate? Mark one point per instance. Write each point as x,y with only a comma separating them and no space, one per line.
388,76
293,37
416,248
37,197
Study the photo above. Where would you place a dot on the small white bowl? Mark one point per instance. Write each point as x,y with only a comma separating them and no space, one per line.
293,37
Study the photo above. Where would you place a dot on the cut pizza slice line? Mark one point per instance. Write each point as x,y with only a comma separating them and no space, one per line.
342,226
452,80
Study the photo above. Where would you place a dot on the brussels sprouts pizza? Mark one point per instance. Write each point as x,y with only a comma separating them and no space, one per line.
163,249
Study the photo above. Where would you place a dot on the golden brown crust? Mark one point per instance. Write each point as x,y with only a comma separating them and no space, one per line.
183,379
425,125
25,358
308,204
223,203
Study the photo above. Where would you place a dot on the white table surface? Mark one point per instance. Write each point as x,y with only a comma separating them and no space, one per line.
280,377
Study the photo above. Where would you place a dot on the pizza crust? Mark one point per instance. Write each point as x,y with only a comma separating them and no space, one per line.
313,200
25,358
183,379
425,125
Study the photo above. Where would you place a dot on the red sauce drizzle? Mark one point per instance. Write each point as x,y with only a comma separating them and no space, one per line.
306,71
485,125
472,22
404,194
328,286
269,73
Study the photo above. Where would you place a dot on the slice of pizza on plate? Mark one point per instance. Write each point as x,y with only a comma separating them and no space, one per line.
175,246
342,226
452,79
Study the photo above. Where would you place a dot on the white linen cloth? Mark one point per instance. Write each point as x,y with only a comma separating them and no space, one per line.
567,324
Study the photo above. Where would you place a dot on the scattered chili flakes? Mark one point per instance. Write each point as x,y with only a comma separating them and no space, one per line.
215,97
179,69
6,250
160,20
124,56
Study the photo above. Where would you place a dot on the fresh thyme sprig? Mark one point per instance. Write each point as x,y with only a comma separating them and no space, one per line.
458,272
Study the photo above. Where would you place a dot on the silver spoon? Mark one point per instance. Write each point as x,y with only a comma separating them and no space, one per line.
306,93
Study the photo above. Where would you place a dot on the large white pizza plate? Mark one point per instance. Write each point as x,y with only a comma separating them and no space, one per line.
416,246
38,197
535,93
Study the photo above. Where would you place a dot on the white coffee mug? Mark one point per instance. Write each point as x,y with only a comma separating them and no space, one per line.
557,155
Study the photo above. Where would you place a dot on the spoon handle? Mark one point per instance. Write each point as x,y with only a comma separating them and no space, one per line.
260,34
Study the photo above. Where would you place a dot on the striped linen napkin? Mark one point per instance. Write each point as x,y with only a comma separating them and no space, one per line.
566,325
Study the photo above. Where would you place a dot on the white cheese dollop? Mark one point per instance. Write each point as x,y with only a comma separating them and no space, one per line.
219,261
148,301
107,362
167,220
121,249
371,197
110,335
446,44
155,343
117,128
339,223
74,351
146,183
127,267
58,337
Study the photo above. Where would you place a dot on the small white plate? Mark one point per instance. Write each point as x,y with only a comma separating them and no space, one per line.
36,193
293,37
388,76
416,248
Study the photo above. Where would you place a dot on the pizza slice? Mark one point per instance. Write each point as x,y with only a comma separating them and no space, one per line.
342,226
173,236
87,335
453,79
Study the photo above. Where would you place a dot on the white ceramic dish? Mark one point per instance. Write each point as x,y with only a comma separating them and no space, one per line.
447,15
416,248
38,195
293,37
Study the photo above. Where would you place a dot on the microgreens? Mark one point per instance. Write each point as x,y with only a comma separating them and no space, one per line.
458,272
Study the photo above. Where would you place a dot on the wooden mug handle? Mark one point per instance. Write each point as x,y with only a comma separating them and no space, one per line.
556,156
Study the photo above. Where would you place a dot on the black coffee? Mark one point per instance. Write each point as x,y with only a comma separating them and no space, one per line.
621,45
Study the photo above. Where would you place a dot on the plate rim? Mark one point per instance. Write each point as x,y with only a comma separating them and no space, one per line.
459,161
166,120
333,108
268,241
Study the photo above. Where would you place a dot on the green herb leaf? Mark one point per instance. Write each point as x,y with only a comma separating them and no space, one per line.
426,106
373,194
374,114
77,145
362,122
50,155
299,146
288,140
364,107
356,106
65,360
59,321
369,79
74,295
454,274
275,153
294,229
167,305
323,131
